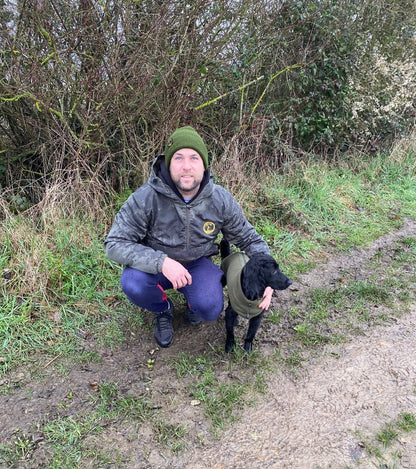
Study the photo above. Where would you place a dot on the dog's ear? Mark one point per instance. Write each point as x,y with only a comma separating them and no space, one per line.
253,278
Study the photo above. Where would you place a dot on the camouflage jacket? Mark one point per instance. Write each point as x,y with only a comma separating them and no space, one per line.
155,222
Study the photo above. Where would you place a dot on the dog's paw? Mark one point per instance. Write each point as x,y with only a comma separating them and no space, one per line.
229,345
248,345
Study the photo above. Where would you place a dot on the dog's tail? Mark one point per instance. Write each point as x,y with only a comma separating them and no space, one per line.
225,248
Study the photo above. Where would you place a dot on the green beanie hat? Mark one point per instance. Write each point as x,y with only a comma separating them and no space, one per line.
186,137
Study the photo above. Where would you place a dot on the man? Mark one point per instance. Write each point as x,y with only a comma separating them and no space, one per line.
165,234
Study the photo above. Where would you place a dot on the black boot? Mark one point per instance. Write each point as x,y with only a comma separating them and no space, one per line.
164,328
192,317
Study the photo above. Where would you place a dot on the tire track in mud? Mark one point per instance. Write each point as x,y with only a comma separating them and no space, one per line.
349,393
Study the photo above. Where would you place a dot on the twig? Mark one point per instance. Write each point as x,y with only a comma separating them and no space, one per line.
240,88
51,361
286,69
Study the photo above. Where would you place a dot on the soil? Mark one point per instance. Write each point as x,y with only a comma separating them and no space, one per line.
321,416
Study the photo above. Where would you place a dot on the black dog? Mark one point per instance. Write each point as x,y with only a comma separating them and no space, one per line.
258,272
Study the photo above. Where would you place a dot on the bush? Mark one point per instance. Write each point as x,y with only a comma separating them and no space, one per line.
91,90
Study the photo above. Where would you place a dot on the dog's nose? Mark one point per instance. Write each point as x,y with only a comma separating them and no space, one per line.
289,282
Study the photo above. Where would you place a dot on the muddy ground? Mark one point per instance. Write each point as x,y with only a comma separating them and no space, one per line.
317,417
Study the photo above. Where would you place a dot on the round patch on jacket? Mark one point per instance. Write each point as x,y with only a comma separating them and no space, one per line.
209,227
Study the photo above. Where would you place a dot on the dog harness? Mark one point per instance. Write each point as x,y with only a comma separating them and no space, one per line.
232,266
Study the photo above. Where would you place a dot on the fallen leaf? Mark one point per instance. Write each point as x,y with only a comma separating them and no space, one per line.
110,299
94,386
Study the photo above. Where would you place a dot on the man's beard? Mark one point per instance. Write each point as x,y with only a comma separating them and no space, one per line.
187,189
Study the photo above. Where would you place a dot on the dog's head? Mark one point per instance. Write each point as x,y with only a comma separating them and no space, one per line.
263,271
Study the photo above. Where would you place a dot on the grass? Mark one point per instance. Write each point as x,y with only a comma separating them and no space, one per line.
53,295
65,436
304,209
171,436
382,445
353,304
330,312
222,398
58,292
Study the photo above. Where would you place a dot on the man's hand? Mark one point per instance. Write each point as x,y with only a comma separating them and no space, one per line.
267,298
176,273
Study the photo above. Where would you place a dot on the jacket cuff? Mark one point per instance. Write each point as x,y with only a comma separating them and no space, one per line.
160,261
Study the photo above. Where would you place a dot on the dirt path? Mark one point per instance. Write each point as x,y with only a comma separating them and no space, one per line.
313,422
324,418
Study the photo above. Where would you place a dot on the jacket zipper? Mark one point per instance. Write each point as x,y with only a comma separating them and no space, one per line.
187,235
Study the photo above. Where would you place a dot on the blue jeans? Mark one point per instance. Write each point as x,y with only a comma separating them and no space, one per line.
204,295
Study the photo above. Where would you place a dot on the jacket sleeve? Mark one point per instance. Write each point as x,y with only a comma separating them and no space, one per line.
238,231
124,243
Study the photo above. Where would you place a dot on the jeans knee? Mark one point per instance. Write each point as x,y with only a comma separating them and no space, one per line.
132,286
209,311
128,285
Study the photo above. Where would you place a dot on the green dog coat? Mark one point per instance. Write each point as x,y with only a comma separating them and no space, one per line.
232,266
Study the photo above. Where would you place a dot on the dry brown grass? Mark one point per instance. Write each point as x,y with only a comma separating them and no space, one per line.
24,271
403,149
238,170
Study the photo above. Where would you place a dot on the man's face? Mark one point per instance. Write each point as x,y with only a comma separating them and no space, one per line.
187,170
